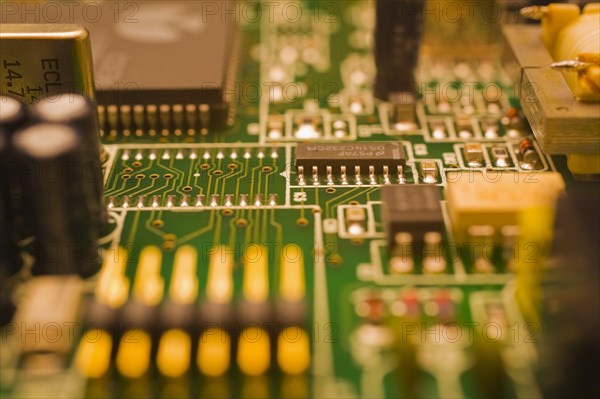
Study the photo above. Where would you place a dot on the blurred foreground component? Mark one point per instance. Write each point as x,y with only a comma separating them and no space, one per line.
398,29
557,70
570,347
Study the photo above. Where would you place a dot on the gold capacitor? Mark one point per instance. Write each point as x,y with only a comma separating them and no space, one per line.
133,357
256,277
174,352
292,286
184,282
148,286
113,286
93,354
214,352
219,284
254,351
293,350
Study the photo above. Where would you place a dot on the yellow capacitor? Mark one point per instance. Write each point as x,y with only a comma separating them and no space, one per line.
93,354
148,285
133,357
219,284
214,352
254,351
292,286
174,351
256,277
536,227
184,282
293,351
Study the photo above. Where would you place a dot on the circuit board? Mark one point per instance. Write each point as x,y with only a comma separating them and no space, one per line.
285,179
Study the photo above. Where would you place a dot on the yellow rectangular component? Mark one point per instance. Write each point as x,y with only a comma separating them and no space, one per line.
38,60
476,199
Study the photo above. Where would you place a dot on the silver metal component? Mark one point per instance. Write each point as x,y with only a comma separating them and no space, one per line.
272,199
330,181
184,201
490,128
429,172
386,175
214,200
126,117
510,235
433,253
315,176
125,203
243,200
481,237
343,175
500,156
258,200
372,177
170,199
402,260
401,178
156,201
535,13
355,218
141,200
357,177
301,180
474,154
571,65
200,200
228,200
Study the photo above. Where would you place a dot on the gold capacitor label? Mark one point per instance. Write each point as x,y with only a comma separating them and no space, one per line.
38,60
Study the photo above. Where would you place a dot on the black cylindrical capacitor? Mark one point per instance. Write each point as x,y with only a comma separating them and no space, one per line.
7,307
398,28
81,114
60,199
13,116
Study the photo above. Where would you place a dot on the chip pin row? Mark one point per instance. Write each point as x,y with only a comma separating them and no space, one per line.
163,118
359,178
197,153
199,201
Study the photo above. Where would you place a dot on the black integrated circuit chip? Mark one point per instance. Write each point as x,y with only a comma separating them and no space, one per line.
413,209
379,155
172,57
158,65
